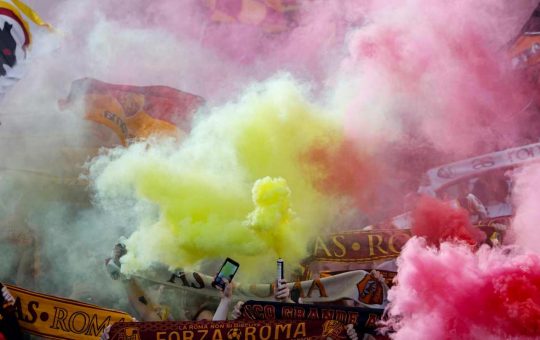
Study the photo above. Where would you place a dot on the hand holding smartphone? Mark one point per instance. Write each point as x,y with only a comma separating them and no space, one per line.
227,271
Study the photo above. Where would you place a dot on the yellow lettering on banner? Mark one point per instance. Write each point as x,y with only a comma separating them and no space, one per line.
159,334
187,335
268,332
320,287
378,245
300,330
283,328
250,332
176,336
339,245
216,333
204,333
391,242
319,243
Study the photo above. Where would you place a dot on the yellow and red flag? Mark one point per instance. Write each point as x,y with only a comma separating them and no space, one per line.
134,112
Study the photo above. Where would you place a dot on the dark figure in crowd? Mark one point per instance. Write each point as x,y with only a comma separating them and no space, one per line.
9,326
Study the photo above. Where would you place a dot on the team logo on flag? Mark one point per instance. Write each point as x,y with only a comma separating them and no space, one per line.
7,48
370,290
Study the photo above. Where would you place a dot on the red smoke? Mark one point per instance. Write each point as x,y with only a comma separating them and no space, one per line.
344,170
439,221
453,292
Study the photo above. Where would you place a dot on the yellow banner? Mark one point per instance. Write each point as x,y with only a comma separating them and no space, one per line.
58,318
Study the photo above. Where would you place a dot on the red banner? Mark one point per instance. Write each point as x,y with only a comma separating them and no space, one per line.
229,330
382,244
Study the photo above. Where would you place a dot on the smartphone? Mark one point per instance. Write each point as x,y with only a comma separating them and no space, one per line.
227,271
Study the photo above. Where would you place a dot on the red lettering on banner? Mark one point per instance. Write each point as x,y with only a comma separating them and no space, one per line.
341,316
269,312
287,312
524,153
299,313
258,311
353,317
445,172
327,314
485,162
372,321
313,314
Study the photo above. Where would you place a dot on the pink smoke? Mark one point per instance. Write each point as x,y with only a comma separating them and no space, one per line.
439,221
526,195
312,31
455,293
438,69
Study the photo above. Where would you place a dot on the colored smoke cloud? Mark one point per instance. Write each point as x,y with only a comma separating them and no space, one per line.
454,292
525,198
402,82
437,221
202,187
434,69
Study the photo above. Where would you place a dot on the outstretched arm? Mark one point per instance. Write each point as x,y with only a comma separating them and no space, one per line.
223,307
135,294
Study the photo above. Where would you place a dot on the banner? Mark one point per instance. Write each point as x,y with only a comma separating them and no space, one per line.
272,16
229,330
359,245
58,318
358,285
134,111
447,174
376,245
526,50
363,319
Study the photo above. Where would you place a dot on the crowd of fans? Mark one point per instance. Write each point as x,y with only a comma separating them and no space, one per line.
485,196
148,310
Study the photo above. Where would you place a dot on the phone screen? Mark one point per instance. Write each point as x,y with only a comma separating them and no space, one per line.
227,271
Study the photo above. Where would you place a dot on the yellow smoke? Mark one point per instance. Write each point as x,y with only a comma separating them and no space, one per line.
201,188
273,220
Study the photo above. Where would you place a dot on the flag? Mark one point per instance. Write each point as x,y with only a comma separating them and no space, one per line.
134,112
